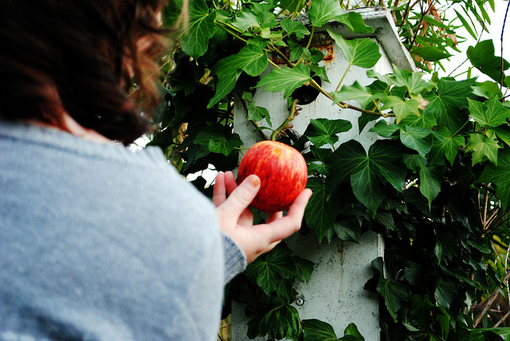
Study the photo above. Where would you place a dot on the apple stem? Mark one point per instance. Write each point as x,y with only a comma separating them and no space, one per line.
287,120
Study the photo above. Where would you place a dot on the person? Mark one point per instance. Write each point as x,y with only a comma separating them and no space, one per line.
99,242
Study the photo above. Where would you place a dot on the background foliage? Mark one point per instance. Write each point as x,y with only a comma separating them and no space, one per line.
437,186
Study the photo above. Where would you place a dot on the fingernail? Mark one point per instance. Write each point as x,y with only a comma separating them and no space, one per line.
253,180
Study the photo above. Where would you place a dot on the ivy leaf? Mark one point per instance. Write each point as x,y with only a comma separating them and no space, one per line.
445,145
200,29
384,128
395,294
323,131
503,133
352,333
362,52
417,139
322,11
419,119
286,79
482,57
276,322
430,176
252,59
384,160
321,211
245,20
411,80
449,101
346,230
269,271
500,176
256,113
354,21
445,293
294,27
490,113
213,136
446,245
483,147
317,330
356,92
402,108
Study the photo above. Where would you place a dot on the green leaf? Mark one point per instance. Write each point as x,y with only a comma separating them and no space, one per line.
430,176
445,294
384,128
294,27
321,211
200,29
277,323
305,267
500,176
482,57
445,145
490,113
213,136
384,161
246,20
489,334
352,333
252,59
354,21
448,103
416,138
256,113
419,119
402,108
503,133
430,53
411,80
395,294
362,52
323,131
317,330
446,245
483,147
269,271
466,25
322,11
346,230
286,79
356,92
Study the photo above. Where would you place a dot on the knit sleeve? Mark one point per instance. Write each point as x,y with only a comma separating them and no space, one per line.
235,260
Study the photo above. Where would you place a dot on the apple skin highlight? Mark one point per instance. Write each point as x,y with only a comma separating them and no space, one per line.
282,171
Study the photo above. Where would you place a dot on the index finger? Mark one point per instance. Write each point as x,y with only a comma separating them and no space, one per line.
291,223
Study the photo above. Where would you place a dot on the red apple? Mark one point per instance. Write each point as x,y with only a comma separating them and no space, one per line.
282,171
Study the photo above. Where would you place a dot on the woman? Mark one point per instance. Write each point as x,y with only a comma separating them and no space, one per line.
98,242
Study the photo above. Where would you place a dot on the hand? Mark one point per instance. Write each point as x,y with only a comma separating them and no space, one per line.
236,219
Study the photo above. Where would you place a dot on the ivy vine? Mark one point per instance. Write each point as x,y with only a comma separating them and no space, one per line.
436,185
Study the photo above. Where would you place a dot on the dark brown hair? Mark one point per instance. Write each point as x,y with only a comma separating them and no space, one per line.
75,56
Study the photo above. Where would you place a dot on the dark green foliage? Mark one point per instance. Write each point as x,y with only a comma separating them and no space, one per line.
436,185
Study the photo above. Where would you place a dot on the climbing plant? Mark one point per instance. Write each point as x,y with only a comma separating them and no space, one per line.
436,185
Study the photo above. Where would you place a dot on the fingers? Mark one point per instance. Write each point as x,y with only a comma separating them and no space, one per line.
286,226
219,190
241,196
230,182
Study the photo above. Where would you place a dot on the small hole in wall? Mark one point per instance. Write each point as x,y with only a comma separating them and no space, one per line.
306,94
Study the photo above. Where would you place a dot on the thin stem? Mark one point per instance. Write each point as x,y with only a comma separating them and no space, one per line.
310,39
343,77
287,120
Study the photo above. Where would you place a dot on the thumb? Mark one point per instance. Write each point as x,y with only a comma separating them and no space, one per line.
242,196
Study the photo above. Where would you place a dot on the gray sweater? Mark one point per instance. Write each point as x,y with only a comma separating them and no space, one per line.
101,243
